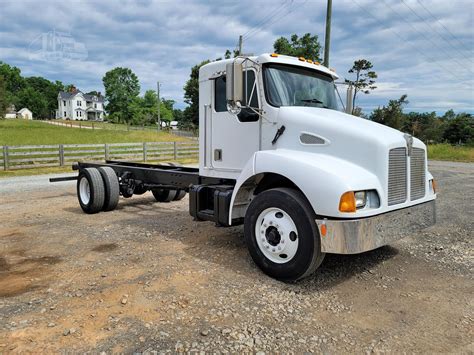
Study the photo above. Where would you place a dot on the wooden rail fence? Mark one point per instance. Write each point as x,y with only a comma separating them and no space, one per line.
35,156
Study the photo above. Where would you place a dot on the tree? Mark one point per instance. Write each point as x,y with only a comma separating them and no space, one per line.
34,101
364,78
460,130
392,114
307,46
49,92
3,98
191,97
121,89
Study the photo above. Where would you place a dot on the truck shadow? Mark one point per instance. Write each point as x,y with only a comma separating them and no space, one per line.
226,248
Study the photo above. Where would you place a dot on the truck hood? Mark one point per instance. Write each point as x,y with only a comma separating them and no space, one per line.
344,136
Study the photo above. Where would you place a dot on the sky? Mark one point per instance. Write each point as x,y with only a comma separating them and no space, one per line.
422,48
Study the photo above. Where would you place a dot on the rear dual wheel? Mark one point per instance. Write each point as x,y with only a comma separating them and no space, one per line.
168,195
97,189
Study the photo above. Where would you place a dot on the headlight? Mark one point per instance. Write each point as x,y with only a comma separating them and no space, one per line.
356,200
360,199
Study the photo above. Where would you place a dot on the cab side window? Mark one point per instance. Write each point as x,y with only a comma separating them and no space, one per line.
220,103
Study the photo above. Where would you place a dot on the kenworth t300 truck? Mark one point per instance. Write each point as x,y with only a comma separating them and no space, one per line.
276,155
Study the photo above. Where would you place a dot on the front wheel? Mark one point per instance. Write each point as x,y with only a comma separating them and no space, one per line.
281,234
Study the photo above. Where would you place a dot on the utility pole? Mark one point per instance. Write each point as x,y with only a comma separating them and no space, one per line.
327,39
158,96
240,45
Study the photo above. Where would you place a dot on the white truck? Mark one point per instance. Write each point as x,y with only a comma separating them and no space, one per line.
277,155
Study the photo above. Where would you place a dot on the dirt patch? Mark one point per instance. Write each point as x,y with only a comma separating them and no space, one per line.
3,265
104,248
23,275
147,277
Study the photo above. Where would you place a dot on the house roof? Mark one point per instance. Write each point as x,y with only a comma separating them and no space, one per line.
24,109
68,95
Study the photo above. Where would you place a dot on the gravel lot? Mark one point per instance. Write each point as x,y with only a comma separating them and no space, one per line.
145,277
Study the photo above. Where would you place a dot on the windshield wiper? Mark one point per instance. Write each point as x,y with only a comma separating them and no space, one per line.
314,101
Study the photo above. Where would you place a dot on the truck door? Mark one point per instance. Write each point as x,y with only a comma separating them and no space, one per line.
234,138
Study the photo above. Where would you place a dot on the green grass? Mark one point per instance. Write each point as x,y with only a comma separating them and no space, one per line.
21,132
451,153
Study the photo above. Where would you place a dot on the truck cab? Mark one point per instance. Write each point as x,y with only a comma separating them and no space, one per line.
277,154
272,124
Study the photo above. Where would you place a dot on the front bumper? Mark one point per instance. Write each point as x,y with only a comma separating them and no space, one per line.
359,235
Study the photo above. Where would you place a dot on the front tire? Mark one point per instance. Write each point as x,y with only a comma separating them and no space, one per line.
281,234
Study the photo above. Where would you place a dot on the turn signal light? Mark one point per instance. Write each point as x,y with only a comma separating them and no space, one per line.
347,202
324,230
435,185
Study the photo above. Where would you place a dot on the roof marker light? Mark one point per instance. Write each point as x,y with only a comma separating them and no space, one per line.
303,59
309,61
317,63
274,55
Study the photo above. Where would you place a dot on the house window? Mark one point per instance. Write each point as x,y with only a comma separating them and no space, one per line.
77,113
64,113
95,105
79,102
80,113
64,102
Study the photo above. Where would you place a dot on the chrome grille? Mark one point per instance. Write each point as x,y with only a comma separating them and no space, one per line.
397,176
417,174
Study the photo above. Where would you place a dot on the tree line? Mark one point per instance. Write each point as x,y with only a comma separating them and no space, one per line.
125,105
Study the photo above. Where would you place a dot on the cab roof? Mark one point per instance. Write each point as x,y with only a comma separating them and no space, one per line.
218,67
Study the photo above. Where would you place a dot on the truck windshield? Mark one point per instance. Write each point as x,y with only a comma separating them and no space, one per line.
287,85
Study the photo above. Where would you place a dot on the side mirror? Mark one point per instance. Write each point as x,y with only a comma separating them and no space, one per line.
234,86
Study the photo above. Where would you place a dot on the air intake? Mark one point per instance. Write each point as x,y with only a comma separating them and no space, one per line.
306,138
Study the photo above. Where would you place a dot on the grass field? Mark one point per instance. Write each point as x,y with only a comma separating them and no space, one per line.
451,153
68,169
21,132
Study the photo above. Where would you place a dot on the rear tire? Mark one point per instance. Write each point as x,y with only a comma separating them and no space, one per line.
164,195
90,190
281,234
112,188
179,195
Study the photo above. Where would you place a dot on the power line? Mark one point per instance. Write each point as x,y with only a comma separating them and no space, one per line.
272,13
269,21
422,34
405,40
440,23
434,29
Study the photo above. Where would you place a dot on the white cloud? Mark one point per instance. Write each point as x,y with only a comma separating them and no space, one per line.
163,40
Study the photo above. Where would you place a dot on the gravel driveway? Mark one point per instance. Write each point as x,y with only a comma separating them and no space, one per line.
146,277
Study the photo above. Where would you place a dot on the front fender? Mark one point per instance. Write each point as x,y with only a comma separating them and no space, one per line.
321,178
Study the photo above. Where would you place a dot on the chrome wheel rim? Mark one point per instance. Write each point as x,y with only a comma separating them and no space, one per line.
276,235
84,191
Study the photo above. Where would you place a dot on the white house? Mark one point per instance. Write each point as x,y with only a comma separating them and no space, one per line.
75,105
25,114
11,112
